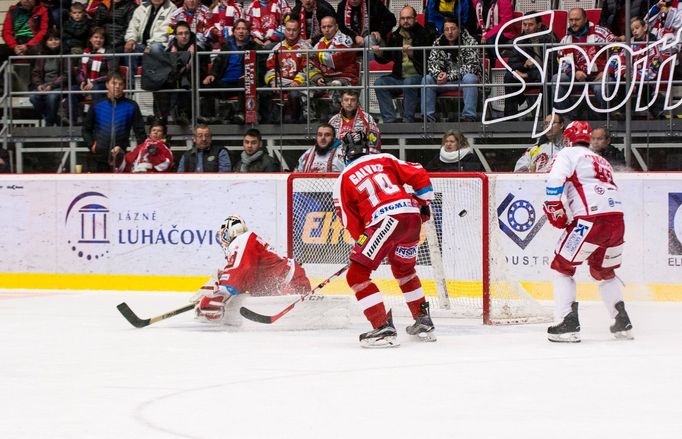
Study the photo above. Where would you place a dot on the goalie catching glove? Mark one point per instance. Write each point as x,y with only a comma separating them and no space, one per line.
211,306
556,214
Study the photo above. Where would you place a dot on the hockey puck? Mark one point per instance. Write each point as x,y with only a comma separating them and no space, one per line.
463,213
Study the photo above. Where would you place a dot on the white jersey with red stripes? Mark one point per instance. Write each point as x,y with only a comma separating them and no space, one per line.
586,179
254,267
371,188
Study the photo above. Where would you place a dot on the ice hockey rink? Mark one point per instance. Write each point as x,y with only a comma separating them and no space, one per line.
72,367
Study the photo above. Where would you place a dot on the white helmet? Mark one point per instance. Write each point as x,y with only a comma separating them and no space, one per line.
229,229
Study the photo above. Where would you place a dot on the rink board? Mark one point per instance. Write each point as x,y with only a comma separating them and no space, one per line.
157,232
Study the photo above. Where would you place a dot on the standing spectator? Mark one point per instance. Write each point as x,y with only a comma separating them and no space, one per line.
94,67
665,21
408,66
255,158
148,29
114,19
266,18
228,68
365,19
24,28
437,11
286,68
522,66
106,130
199,18
204,155
332,68
309,14
50,74
326,155
539,157
179,104
76,30
224,13
491,16
151,156
455,155
600,142
580,31
457,66
352,119
613,15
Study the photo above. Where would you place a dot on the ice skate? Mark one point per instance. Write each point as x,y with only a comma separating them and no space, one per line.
622,326
384,336
567,331
423,328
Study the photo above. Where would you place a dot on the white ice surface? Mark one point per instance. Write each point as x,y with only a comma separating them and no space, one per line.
72,367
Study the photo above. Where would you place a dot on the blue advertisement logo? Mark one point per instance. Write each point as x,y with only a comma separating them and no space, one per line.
87,220
518,220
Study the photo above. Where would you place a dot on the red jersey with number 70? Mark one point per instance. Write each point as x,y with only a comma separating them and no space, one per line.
586,179
371,188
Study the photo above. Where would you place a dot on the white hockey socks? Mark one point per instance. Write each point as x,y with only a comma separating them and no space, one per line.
564,295
610,294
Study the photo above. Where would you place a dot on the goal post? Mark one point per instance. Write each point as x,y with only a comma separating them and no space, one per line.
460,276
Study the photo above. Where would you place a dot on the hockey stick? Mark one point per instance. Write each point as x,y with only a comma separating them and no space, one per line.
137,322
260,318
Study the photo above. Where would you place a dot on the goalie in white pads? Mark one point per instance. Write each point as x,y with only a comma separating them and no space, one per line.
251,267
385,222
594,234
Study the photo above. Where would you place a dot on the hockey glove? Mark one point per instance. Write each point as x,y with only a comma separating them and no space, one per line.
556,214
425,212
211,307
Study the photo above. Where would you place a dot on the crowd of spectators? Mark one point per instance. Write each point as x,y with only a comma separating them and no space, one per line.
121,35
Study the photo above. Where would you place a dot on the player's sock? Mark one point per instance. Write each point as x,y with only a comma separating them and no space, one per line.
369,298
413,293
568,331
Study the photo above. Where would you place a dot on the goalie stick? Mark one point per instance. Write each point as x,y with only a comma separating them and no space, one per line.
260,318
137,322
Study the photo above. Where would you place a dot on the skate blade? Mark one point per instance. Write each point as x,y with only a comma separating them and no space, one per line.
385,342
623,335
568,337
425,337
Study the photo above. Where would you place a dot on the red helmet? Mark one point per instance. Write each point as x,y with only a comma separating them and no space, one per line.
577,132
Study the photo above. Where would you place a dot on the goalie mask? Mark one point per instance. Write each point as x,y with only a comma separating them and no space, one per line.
232,227
355,145
577,132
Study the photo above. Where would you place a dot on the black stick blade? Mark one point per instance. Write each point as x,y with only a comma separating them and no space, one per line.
254,316
129,315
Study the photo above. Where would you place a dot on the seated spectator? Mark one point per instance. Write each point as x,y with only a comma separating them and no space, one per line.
408,66
364,20
255,158
651,58
326,155
114,20
332,68
665,21
351,118
24,29
286,69
600,142
309,14
455,155
492,15
178,104
151,156
453,67
539,157
76,30
107,125
200,20
581,31
266,18
523,66
50,74
204,155
224,13
228,68
148,29
437,11
613,15
5,167
94,67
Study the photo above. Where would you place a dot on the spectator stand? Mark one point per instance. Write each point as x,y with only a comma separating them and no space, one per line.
524,6
567,5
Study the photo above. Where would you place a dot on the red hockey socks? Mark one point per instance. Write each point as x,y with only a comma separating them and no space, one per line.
369,298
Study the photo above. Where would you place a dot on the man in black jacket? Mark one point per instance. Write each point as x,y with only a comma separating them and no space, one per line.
523,66
309,14
254,157
205,156
600,142
408,66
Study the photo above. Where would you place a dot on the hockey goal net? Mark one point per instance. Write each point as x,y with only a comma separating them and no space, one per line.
459,261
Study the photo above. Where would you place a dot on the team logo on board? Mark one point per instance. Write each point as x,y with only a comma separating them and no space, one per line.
518,220
674,223
87,225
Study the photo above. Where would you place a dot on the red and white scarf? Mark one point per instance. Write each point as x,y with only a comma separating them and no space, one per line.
93,62
364,24
316,25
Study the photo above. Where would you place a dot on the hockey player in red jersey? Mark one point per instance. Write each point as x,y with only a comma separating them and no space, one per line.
385,222
251,267
593,233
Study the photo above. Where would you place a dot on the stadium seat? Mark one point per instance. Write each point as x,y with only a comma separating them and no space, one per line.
524,6
567,5
593,15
